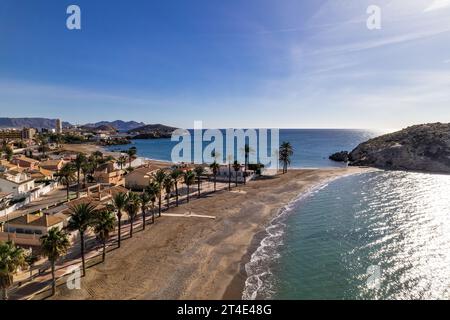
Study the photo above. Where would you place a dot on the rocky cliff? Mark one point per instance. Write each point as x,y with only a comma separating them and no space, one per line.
152,131
418,148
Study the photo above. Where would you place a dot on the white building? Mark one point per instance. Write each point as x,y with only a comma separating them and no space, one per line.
15,182
225,171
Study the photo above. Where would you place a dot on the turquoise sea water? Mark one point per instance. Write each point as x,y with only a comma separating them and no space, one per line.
381,235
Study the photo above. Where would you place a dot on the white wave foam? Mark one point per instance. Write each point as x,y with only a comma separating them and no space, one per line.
260,281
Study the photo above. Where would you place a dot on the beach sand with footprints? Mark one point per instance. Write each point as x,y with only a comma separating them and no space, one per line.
190,255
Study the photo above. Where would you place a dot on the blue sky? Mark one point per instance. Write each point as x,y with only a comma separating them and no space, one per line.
253,63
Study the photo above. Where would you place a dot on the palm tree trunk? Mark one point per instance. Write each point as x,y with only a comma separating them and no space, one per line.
83,262
215,180
53,278
131,228
119,232
143,218
5,293
245,171
159,205
198,195
104,251
236,180
187,193
78,183
176,192
153,214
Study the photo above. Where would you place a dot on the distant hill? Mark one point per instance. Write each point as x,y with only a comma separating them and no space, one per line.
103,127
29,123
118,124
152,131
423,147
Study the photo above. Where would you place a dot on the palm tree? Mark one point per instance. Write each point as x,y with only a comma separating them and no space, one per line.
54,245
11,259
152,190
103,224
119,203
43,145
215,169
131,153
168,186
145,200
189,178
236,167
59,140
121,161
93,161
199,171
176,174
97,155
30,260
87,168
286,151
247,151
66,175
79,162
159,178
9,153
81,217
132,208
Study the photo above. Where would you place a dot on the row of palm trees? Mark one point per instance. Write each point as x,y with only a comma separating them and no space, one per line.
84,165
102,222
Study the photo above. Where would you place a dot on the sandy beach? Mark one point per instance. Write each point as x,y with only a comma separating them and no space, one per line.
197,257
88,148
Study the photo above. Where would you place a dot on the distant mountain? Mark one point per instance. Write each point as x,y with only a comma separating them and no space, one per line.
19,123
118,124
152,131
103,127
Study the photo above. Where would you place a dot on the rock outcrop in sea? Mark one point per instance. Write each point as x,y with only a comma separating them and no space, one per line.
423,147
341,156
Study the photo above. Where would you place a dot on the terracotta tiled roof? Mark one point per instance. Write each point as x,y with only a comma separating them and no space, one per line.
35,220
87,200
51,163
26,159
117,189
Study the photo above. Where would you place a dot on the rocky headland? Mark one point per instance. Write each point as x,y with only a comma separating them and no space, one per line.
423,147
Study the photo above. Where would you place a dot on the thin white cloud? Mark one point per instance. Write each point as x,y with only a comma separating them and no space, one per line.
366,45
438,5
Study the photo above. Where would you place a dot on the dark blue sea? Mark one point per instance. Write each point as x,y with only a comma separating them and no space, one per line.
312,147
